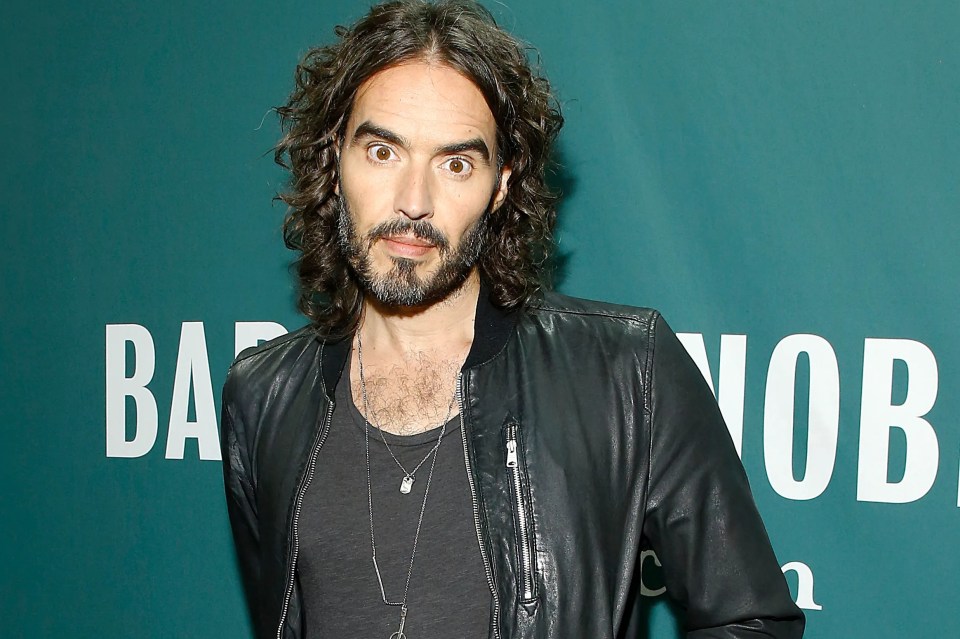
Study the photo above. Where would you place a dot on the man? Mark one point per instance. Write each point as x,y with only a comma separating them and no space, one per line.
448,450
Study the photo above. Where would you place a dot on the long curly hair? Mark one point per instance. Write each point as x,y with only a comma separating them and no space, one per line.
464,36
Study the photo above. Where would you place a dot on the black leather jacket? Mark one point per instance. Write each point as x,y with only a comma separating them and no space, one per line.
587,433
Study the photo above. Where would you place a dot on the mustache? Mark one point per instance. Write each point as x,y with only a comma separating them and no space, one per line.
420,229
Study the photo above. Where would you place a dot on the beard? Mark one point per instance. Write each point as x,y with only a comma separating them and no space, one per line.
401,285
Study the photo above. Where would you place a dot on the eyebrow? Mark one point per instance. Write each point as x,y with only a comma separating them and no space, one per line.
476,144
370,130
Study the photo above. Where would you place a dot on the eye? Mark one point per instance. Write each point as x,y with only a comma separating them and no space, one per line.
380,153
460,167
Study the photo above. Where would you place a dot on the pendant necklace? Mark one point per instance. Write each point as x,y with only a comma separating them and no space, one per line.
406,484
399,634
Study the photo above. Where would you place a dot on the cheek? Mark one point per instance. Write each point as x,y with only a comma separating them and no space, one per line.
351,182
470,198
367,200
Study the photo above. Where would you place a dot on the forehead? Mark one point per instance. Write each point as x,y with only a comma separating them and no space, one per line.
424,101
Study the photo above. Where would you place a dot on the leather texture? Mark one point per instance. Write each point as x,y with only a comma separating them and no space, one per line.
617,443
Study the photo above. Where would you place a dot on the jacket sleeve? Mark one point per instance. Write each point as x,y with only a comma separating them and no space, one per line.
701,519
240,487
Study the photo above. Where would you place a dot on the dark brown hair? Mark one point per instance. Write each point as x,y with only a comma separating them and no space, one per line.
464,36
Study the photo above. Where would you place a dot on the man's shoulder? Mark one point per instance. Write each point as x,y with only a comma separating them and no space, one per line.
276,358
303,337
600,335
557,304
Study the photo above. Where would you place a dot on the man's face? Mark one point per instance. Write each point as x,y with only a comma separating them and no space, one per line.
418,176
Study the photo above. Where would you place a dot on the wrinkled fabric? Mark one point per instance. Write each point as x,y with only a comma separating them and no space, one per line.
588,434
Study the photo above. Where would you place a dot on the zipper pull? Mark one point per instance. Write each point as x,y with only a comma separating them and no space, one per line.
511,453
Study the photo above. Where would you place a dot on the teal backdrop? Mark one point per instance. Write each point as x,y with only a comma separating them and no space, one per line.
779,178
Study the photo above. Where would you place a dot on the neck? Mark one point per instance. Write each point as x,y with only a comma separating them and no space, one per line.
442,327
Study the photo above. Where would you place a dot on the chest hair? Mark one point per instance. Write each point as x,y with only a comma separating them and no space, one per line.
409,396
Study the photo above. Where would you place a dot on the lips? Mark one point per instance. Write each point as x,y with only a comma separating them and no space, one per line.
409,240
407,245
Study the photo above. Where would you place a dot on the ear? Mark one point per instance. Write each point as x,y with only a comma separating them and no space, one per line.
503,182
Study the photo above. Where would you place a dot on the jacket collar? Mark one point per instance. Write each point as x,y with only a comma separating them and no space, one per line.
492,327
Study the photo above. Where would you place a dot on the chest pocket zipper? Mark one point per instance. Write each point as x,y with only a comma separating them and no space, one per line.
522,515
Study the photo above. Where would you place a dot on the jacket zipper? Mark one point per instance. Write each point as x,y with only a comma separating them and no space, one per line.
523,531
476,512
301,491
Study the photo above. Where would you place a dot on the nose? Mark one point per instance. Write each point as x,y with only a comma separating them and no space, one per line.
413,198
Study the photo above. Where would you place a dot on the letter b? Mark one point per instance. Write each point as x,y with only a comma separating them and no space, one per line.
878,415
119,387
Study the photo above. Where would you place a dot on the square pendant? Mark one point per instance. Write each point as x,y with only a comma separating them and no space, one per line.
406,485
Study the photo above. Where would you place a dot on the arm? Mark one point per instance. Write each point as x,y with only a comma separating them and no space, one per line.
240,489
701,519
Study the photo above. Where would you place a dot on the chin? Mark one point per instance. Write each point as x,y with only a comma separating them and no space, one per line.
403,287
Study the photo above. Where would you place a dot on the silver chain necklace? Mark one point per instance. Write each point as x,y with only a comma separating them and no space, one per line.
406,484
399,634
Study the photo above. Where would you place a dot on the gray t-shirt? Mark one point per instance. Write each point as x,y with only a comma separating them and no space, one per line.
449,595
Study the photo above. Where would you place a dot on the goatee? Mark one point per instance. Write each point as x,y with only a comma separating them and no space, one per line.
401,285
